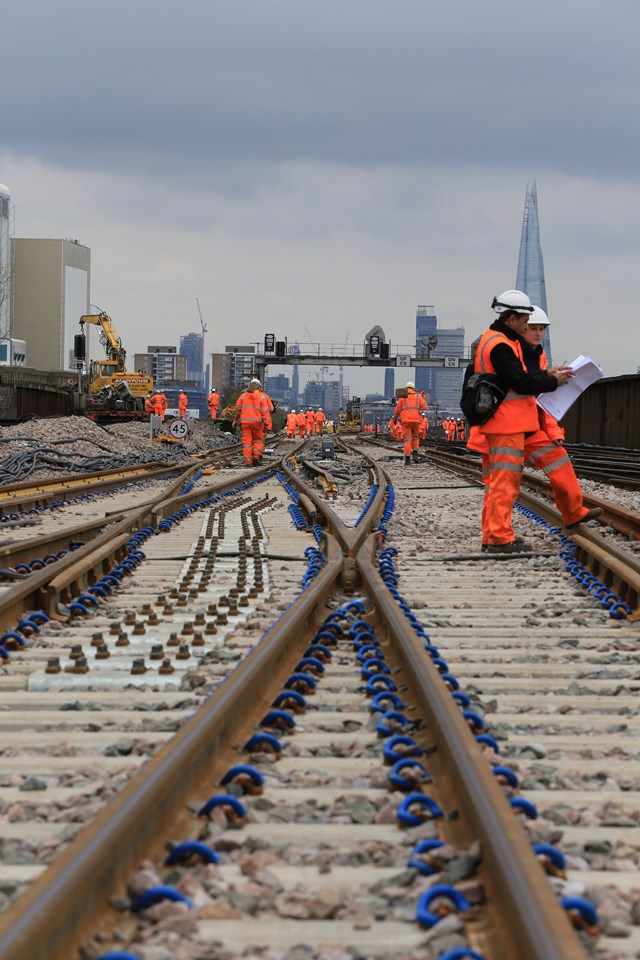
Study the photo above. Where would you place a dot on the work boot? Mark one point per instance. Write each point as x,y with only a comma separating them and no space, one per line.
516,546
415,456
589,515
255,462
407,459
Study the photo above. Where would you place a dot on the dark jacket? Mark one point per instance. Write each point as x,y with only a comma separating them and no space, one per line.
509,371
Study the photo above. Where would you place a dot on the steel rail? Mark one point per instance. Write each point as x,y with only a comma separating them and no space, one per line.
66,904
24,551
533,925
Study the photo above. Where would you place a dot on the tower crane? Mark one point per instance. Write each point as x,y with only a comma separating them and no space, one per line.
202,323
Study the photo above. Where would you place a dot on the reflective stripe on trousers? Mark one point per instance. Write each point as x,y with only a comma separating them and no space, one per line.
252,440
506,462
410,434
541,452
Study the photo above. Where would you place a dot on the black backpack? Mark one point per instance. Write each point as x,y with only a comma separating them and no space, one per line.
481,396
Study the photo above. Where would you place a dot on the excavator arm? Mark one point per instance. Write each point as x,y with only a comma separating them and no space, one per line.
109,337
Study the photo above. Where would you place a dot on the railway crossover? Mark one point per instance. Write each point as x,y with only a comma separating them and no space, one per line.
262,709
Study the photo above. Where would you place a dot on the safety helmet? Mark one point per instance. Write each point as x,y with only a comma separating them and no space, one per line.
319,409
410,384
514,300
213,389
292,410
254,383
539,316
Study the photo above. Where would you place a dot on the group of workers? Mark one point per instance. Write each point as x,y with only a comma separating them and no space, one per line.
454,429
520,430
303,424
253,413
156,404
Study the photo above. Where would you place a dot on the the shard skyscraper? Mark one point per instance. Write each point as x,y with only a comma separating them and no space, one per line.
530,276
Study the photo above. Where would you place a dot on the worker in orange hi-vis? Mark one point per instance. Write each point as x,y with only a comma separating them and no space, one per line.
320,420
183,403
460,429
302,424
407,411
164,403
213,401
292,424
311,421
149,406
255,419
422,432
158,408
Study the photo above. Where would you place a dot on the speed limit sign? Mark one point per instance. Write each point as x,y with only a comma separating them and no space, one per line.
180,429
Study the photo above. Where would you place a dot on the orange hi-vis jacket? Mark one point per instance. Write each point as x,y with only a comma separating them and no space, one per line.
251,407
518,412
320,417
292,422
408,408
213,399
149,405
301,419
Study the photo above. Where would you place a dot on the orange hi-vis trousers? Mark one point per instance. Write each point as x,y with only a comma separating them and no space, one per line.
542,452
252,440
411,437
506,462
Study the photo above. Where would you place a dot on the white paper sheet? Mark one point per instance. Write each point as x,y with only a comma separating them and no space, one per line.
585,372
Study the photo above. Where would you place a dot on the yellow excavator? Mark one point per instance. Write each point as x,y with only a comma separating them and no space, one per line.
113,391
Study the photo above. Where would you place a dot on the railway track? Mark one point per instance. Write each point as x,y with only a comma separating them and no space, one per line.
293,681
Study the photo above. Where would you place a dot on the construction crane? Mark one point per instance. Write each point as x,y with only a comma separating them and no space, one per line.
202,323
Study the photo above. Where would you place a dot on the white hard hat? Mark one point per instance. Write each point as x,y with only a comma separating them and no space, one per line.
254,382
514,300
539,316
212,389
319,409
409,383
292,410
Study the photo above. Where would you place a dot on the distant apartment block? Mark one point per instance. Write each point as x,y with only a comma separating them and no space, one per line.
442,385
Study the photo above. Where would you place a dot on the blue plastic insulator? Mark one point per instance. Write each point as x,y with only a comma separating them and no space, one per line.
328,635
22,568
424,846
379,682
473,719
431,650
98,590
39,616
119,955
289,696
619,610
87,598
223,800
261,741
398,782
374,666
461,698
4,653
191,848
550,853
277,716
408,819
583,907
400,740
367,651
441,664
51,557
37,564
78,608
450,681
383,728
307,662
508,774
429,919
155,894
525,806
12,635
318,649
488,740
240,770
461,953
380,701
305,678
110,580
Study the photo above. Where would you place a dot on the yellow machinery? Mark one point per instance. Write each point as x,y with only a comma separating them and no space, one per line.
113,390
350,421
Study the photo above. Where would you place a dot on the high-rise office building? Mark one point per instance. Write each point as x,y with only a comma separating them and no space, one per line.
530,273
442,385
192,347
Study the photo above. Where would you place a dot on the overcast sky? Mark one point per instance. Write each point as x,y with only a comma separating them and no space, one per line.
325,165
